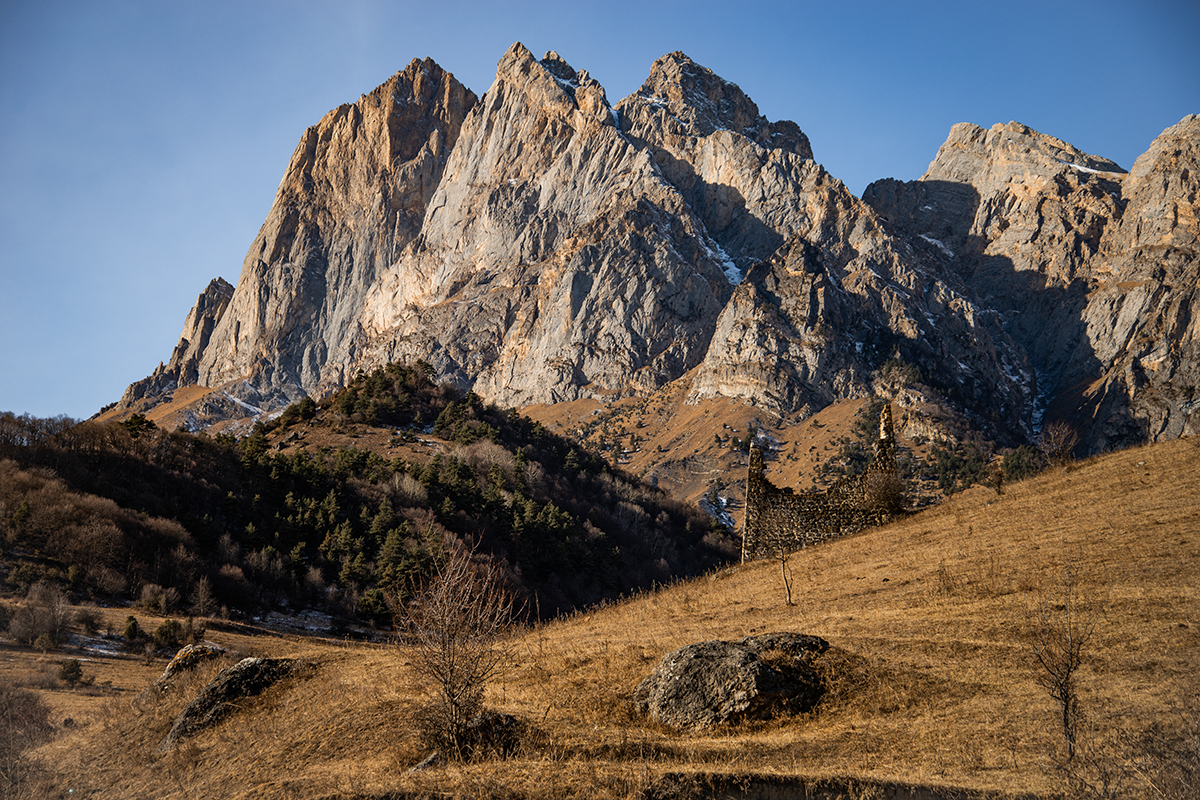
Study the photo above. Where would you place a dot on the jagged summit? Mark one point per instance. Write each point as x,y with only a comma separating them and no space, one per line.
1092,271
695,101
541,245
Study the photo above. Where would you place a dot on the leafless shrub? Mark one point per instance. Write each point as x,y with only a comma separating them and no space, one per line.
1063,627
24,723
204,602
456,629
883,491
156,598
1057,442
486,453
46,612
408,491
1162,762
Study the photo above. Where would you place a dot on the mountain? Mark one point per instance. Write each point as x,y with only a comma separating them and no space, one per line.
1091,270
539,245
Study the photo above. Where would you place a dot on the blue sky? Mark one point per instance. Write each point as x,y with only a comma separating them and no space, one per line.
141,143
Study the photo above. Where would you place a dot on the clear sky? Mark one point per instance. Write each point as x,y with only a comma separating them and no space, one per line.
141,143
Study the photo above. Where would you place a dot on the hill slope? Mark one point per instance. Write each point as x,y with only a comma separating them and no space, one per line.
930,621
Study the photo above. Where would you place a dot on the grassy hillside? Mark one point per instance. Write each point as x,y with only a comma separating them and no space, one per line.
931,679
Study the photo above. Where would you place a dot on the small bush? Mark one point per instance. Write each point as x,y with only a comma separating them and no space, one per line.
169,634
45,613
1057,443
89,620
133,631
193,632
71,672
156,598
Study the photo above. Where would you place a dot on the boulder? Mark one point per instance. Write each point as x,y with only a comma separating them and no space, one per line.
247,678
706,684
187,658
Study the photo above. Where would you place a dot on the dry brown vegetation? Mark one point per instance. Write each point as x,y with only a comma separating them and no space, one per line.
664,438
932,682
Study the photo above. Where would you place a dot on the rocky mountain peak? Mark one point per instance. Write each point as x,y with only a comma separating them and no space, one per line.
695,101
182,368
354,194
537,246
1163,191
1006,153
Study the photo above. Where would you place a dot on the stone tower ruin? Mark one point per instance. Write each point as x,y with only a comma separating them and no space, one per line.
778,520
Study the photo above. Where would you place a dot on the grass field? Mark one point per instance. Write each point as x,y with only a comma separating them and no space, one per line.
930,619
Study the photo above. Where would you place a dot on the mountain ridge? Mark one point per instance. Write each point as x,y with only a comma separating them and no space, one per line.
540,244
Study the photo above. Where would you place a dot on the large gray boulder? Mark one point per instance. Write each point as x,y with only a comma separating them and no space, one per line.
706,684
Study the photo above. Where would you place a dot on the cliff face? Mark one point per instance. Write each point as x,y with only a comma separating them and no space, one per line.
1091,270
354,195
182,368
1143,318
540,245
554,261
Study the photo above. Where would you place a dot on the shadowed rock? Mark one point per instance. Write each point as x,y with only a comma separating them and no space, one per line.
247,678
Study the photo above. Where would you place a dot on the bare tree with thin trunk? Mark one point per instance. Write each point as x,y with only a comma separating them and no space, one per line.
456,630
783,554
1064,627
1057,442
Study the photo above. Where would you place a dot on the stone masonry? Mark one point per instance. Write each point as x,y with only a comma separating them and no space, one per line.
779,520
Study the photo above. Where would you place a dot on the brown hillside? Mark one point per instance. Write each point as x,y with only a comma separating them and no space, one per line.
930,621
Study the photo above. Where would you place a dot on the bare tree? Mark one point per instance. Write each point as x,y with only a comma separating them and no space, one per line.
456,629
1057,442
782,554
1064,627
46,612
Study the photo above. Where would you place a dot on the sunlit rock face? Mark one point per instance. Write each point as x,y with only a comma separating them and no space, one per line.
539,244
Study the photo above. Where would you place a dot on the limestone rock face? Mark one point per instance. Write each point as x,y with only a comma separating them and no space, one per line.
354,195
1057,242
744,176
554,261
1143,317
540,245
182,369
816,321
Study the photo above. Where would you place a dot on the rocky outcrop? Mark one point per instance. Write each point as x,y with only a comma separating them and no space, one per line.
1143,315
1058,244
354,195
816,321
247,678
186,659
555,262
707,684
183,367
739,172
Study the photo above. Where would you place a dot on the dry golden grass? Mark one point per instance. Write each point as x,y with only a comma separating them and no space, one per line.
676,441
930,674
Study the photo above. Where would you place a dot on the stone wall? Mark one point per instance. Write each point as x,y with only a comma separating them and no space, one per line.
780,520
